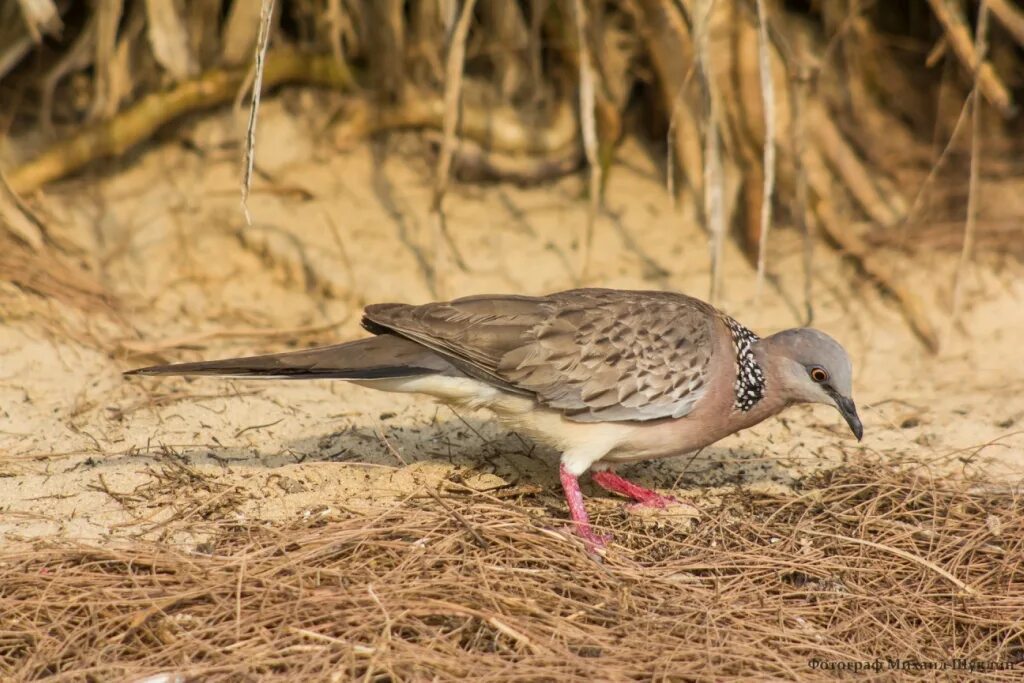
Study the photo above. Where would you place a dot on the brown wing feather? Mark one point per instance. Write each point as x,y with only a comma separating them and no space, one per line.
592,354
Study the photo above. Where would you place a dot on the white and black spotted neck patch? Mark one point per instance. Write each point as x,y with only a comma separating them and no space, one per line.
749,375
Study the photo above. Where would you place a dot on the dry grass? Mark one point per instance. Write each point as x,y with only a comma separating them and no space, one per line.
869,562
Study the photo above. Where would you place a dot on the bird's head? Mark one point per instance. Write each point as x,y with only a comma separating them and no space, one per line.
814,368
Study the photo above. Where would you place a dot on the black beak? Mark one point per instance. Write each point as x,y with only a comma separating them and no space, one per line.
848,410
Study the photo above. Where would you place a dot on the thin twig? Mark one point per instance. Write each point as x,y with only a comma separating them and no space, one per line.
588,123
238,599
933,172
513,633
713,209
452,94
971,224
262,42
768,97
480,540
797,93
259,426
670,158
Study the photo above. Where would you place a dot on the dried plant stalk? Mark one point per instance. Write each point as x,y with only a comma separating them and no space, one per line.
971,223
949,14
452,94
768,97
713,179
262,43
588,124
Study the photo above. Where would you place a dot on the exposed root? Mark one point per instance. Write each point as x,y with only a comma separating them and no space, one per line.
137,123
877,265
950,15
500,129
474,162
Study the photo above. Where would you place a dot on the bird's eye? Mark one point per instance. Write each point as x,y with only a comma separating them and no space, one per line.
819,375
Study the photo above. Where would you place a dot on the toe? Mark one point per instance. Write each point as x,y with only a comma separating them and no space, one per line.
658,502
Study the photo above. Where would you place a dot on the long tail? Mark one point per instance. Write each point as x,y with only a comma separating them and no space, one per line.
386,356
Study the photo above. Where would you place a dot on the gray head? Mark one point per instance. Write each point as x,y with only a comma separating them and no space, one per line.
812,367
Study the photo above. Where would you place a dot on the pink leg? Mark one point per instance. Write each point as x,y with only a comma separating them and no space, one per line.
574,497
610,481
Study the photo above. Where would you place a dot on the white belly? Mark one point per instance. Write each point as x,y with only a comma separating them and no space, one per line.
580,443
461,391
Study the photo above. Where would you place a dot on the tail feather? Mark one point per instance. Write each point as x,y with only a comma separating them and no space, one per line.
386,356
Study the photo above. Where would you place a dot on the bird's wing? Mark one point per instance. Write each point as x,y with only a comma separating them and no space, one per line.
592,354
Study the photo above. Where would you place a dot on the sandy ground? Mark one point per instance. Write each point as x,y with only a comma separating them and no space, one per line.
86,454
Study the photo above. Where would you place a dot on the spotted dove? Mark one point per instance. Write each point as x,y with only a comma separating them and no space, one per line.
605,376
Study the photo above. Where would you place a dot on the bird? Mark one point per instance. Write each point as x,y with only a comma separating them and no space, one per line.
604,376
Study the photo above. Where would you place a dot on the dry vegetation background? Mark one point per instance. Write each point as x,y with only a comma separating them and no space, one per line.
852,164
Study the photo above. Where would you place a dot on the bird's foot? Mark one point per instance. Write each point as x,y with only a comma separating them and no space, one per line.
656,502
643,497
